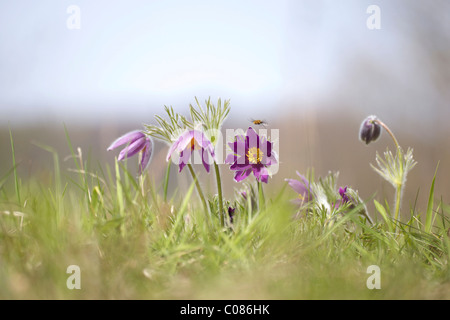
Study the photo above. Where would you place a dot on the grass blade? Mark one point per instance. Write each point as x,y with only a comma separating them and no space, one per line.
16,179
429,216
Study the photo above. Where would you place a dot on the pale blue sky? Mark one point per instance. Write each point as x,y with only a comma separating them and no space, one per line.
132,57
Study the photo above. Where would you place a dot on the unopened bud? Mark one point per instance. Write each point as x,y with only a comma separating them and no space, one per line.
370,130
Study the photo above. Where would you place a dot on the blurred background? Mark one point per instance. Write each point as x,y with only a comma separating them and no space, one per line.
312,69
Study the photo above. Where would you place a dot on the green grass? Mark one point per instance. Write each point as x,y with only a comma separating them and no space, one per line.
132,244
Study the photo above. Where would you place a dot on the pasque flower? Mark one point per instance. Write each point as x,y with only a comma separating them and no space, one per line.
135,141
344,197
302,187
370,130
392,168
251,153
187,143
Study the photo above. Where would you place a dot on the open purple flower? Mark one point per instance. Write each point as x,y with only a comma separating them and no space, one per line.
136,142
302,187
251,153
187,143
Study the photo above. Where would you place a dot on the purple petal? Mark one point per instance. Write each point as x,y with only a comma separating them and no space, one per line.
238,147
261,173
172,148
343,193
298,186
205,143
146,156
205,159
301,187
231,158
241,175
126,138
184,158
252,138
302,177
185,140
132,149
240,166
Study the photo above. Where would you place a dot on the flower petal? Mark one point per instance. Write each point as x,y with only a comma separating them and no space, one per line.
231,158
237,147
241,175
205,159
126,138
185,140
172,148
146,155
261,173
252,138
303,178
132,149
298,186
185,156
240,166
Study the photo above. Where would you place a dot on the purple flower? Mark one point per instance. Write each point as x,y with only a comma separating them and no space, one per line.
136,141
343,193
251,153
187,143
370,130
344,197
231,213
302,187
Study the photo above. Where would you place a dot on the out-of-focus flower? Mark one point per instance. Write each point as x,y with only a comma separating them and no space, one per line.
136,142
251,153
370,130
231,213
187,143
343,194
344,197
302,187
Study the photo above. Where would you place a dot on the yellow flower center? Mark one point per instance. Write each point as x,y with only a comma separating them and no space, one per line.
254,155
195,145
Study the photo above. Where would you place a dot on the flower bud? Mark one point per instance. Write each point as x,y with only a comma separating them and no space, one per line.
370,130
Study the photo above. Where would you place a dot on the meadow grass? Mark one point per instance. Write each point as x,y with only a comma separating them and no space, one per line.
132,241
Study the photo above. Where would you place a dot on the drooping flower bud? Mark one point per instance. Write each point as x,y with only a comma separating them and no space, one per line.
370,130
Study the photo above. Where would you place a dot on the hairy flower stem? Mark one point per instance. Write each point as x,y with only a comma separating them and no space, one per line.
199,191
381,123
219,192
398,199
399,186
166,180
262,200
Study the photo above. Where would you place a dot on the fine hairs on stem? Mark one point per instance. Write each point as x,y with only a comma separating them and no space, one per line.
392,168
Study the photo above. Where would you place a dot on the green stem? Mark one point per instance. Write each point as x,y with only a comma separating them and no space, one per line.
219,191
199,190
166,180
398,199
261,198
399,187
16,180
381,123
